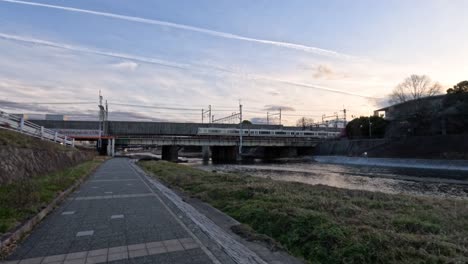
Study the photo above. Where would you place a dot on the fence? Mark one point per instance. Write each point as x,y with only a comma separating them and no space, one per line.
16,123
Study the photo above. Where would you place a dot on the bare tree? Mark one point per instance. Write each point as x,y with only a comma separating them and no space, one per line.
305,122
414,87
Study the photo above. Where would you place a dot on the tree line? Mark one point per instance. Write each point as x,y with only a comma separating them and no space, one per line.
418,117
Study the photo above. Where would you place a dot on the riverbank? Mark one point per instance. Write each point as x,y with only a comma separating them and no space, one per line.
332,225
457,165
24,198
440,147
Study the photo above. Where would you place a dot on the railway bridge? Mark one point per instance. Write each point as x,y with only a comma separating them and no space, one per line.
173,136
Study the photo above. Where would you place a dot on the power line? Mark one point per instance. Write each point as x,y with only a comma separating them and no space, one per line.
44,103
158,107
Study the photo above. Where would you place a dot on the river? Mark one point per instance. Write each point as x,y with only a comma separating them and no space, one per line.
420,182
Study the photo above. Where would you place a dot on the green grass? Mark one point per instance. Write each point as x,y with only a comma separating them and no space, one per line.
323,224
16,139
22,199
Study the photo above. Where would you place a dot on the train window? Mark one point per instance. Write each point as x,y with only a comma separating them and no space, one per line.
308,134
280,133
265,132
232,132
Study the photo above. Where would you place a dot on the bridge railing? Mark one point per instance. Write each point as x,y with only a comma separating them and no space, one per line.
19,124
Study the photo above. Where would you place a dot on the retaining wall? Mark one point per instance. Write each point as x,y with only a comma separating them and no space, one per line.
460,165
31,157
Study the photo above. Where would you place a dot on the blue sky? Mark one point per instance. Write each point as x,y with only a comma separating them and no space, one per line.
309,57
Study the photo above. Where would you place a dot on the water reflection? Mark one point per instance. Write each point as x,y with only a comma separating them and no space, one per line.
389,180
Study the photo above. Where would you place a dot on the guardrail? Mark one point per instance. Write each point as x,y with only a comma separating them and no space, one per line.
15,123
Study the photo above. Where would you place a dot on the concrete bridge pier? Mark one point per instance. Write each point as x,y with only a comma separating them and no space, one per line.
222,154
111,147
206,154
102,146
170,153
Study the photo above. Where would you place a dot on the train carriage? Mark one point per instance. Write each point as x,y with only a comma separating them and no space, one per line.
212,131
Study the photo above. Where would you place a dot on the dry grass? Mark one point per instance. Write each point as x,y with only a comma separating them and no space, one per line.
23,199
15,139
330,225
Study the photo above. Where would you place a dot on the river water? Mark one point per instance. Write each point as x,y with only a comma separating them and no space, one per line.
421,182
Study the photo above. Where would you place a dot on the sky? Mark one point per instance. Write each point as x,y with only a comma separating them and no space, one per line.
157,60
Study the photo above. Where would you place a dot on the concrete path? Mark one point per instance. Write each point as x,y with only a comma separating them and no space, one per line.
114,217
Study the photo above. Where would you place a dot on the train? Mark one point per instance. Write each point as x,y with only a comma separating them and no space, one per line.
212,131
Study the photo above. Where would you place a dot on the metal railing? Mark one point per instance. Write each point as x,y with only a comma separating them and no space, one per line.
16,123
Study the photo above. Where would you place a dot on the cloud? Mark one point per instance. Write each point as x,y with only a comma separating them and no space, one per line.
15,106
258,120
37,111
182,66
278,107
125,65
132,116
220,34
94,51
323,71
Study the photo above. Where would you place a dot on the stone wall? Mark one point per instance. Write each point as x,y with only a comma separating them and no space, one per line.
347,147
424,147
34,157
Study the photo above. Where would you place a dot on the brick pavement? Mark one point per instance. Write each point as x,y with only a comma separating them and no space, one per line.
114,217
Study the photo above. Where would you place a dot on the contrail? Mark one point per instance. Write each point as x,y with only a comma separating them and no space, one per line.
93,51
314,87
220,34
188,67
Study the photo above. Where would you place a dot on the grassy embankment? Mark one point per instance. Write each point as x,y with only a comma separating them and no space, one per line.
15,139
330,225
23,199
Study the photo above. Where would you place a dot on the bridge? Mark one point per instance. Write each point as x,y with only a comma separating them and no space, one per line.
172,136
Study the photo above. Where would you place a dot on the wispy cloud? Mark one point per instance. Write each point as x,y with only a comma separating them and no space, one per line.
278,107
258,120
323,71
214,33
93,51
36,111
125,65
182,66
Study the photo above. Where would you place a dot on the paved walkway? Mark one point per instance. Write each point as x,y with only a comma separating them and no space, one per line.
114,217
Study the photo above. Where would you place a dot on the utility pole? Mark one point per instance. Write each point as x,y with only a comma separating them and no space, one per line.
336,121
272,115
370,128
106,118
207,112
240,129
344,115
280,116
101,119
